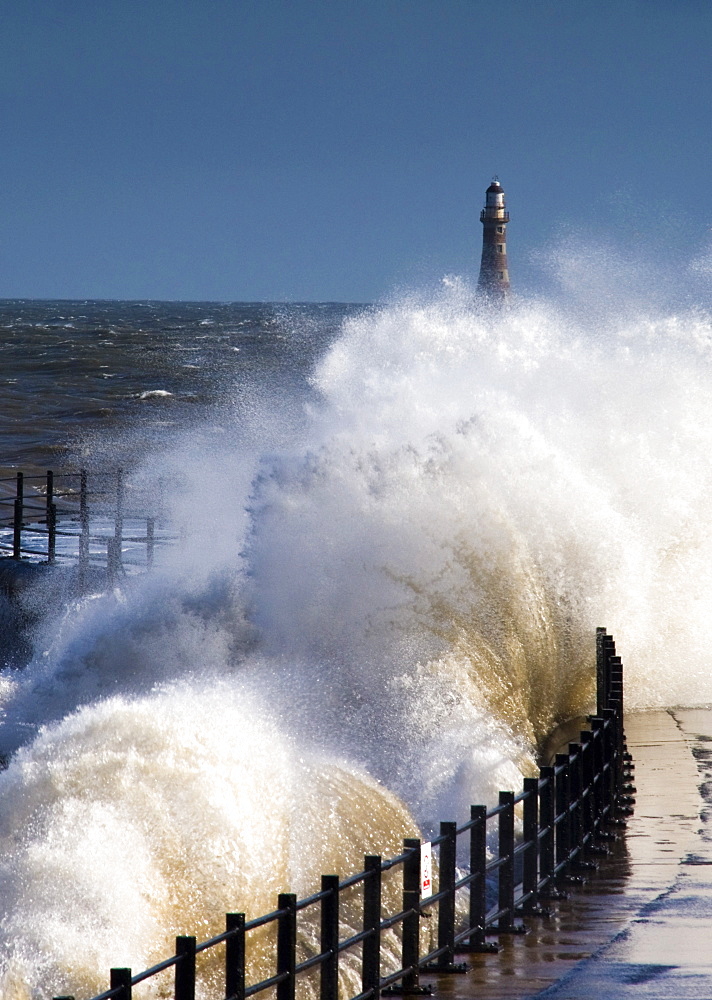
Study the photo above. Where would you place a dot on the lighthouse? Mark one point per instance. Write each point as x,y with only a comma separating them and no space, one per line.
494,274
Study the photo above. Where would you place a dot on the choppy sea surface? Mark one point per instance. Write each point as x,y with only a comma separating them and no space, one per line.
75,376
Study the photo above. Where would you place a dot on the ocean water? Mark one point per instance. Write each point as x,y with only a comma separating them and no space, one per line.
400,526
83,380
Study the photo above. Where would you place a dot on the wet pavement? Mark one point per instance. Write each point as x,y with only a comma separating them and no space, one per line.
642,925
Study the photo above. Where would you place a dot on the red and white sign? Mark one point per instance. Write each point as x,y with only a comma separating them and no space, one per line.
426,870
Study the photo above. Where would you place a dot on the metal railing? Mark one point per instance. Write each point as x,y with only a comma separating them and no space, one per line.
76,517
565,813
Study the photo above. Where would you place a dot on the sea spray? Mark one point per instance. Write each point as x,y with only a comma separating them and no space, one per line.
134,820
404,586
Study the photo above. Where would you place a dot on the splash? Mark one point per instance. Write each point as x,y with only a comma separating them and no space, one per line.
383,625
136,820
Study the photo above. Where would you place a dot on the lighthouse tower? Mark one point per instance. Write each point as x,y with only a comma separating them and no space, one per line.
494,274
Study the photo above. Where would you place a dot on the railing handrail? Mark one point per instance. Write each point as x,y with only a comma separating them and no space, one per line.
57,510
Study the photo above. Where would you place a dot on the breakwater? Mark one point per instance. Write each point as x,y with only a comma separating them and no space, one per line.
567,812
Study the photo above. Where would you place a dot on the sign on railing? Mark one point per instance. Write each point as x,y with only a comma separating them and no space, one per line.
426,870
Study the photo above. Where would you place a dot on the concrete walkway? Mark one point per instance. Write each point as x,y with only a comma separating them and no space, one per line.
642,926
666,948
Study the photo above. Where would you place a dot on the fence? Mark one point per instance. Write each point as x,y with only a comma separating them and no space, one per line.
565,812
76,518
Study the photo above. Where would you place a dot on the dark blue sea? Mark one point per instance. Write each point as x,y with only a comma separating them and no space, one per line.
80,379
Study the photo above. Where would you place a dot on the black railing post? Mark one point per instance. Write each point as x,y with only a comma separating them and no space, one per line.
235,957
530,861
119,526
610,751
600,670
610,651
587,790
575,795
150,540
329,985
599,776
114,545
185,969
50,490
446,907
411,922
371,962
505,923
17,518
615,701
84,528
121,979
286,944
478,883
447,866
547,814
113,558
563,815
51,533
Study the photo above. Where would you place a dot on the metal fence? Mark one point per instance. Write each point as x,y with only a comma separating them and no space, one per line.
77,518
566,811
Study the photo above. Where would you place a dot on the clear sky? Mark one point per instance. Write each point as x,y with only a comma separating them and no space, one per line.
338,149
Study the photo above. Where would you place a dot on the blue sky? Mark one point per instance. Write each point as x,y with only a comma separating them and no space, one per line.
338,149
